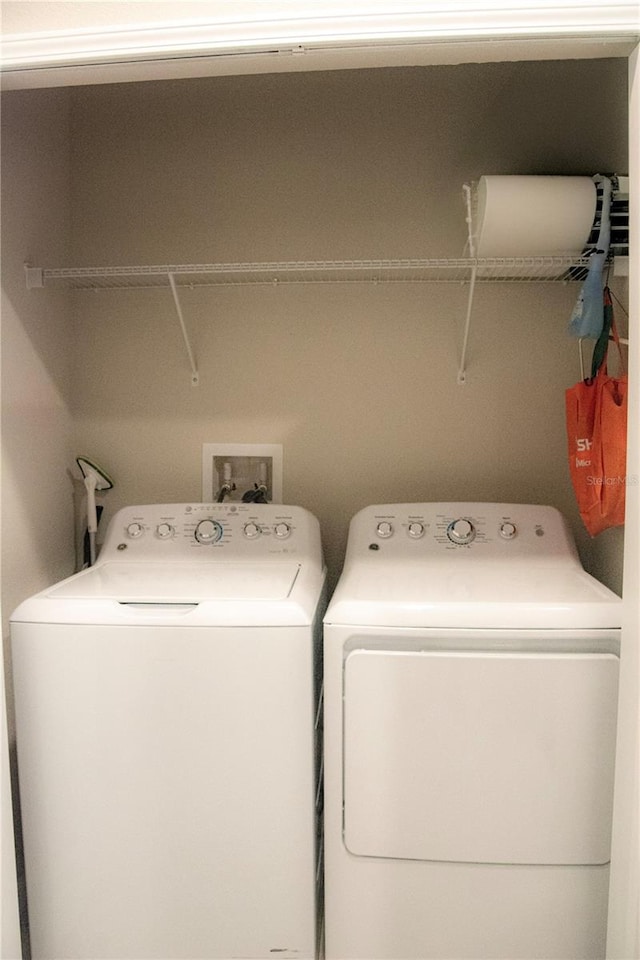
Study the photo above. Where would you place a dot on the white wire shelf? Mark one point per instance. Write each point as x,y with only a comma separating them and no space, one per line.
551,269
465,270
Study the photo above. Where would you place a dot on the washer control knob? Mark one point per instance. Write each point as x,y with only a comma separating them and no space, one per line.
415,530
282,531
384,529
208,531
135,530
164,531
508,531
461,531
251,530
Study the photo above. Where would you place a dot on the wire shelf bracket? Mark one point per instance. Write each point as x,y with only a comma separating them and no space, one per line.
195,379
462,373
35,278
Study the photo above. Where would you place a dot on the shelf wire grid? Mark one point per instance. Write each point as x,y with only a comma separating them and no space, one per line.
554,269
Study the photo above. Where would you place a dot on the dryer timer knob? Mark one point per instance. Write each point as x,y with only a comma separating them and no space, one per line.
461,531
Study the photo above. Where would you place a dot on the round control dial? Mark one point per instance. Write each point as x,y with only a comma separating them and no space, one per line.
208,531
164,531
415,530
508,530
282,530
251,530
384,529
135,530
461,531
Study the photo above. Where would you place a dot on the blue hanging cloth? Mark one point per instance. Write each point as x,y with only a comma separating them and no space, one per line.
587,317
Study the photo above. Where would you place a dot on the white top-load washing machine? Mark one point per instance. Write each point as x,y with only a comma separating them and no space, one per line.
167,739
471,670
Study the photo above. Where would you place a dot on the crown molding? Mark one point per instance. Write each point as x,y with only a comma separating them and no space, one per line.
408,33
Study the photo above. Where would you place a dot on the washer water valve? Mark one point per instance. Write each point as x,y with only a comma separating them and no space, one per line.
228,486
242,472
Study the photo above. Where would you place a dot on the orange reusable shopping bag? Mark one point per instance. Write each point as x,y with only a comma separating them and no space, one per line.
596,411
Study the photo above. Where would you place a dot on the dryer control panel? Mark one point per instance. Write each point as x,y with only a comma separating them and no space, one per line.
466,566
197,530
476,529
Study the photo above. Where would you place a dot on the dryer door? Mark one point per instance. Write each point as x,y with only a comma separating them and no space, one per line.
478,756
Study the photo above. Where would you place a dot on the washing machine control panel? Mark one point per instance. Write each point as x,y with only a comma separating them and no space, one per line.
479,529
198,530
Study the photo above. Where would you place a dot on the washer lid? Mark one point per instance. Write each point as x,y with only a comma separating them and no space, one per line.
182,582
197,594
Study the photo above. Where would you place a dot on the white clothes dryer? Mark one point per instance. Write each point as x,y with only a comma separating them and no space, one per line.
471,670
167,735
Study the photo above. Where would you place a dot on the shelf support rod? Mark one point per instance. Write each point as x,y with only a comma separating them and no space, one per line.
195,379
462,376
